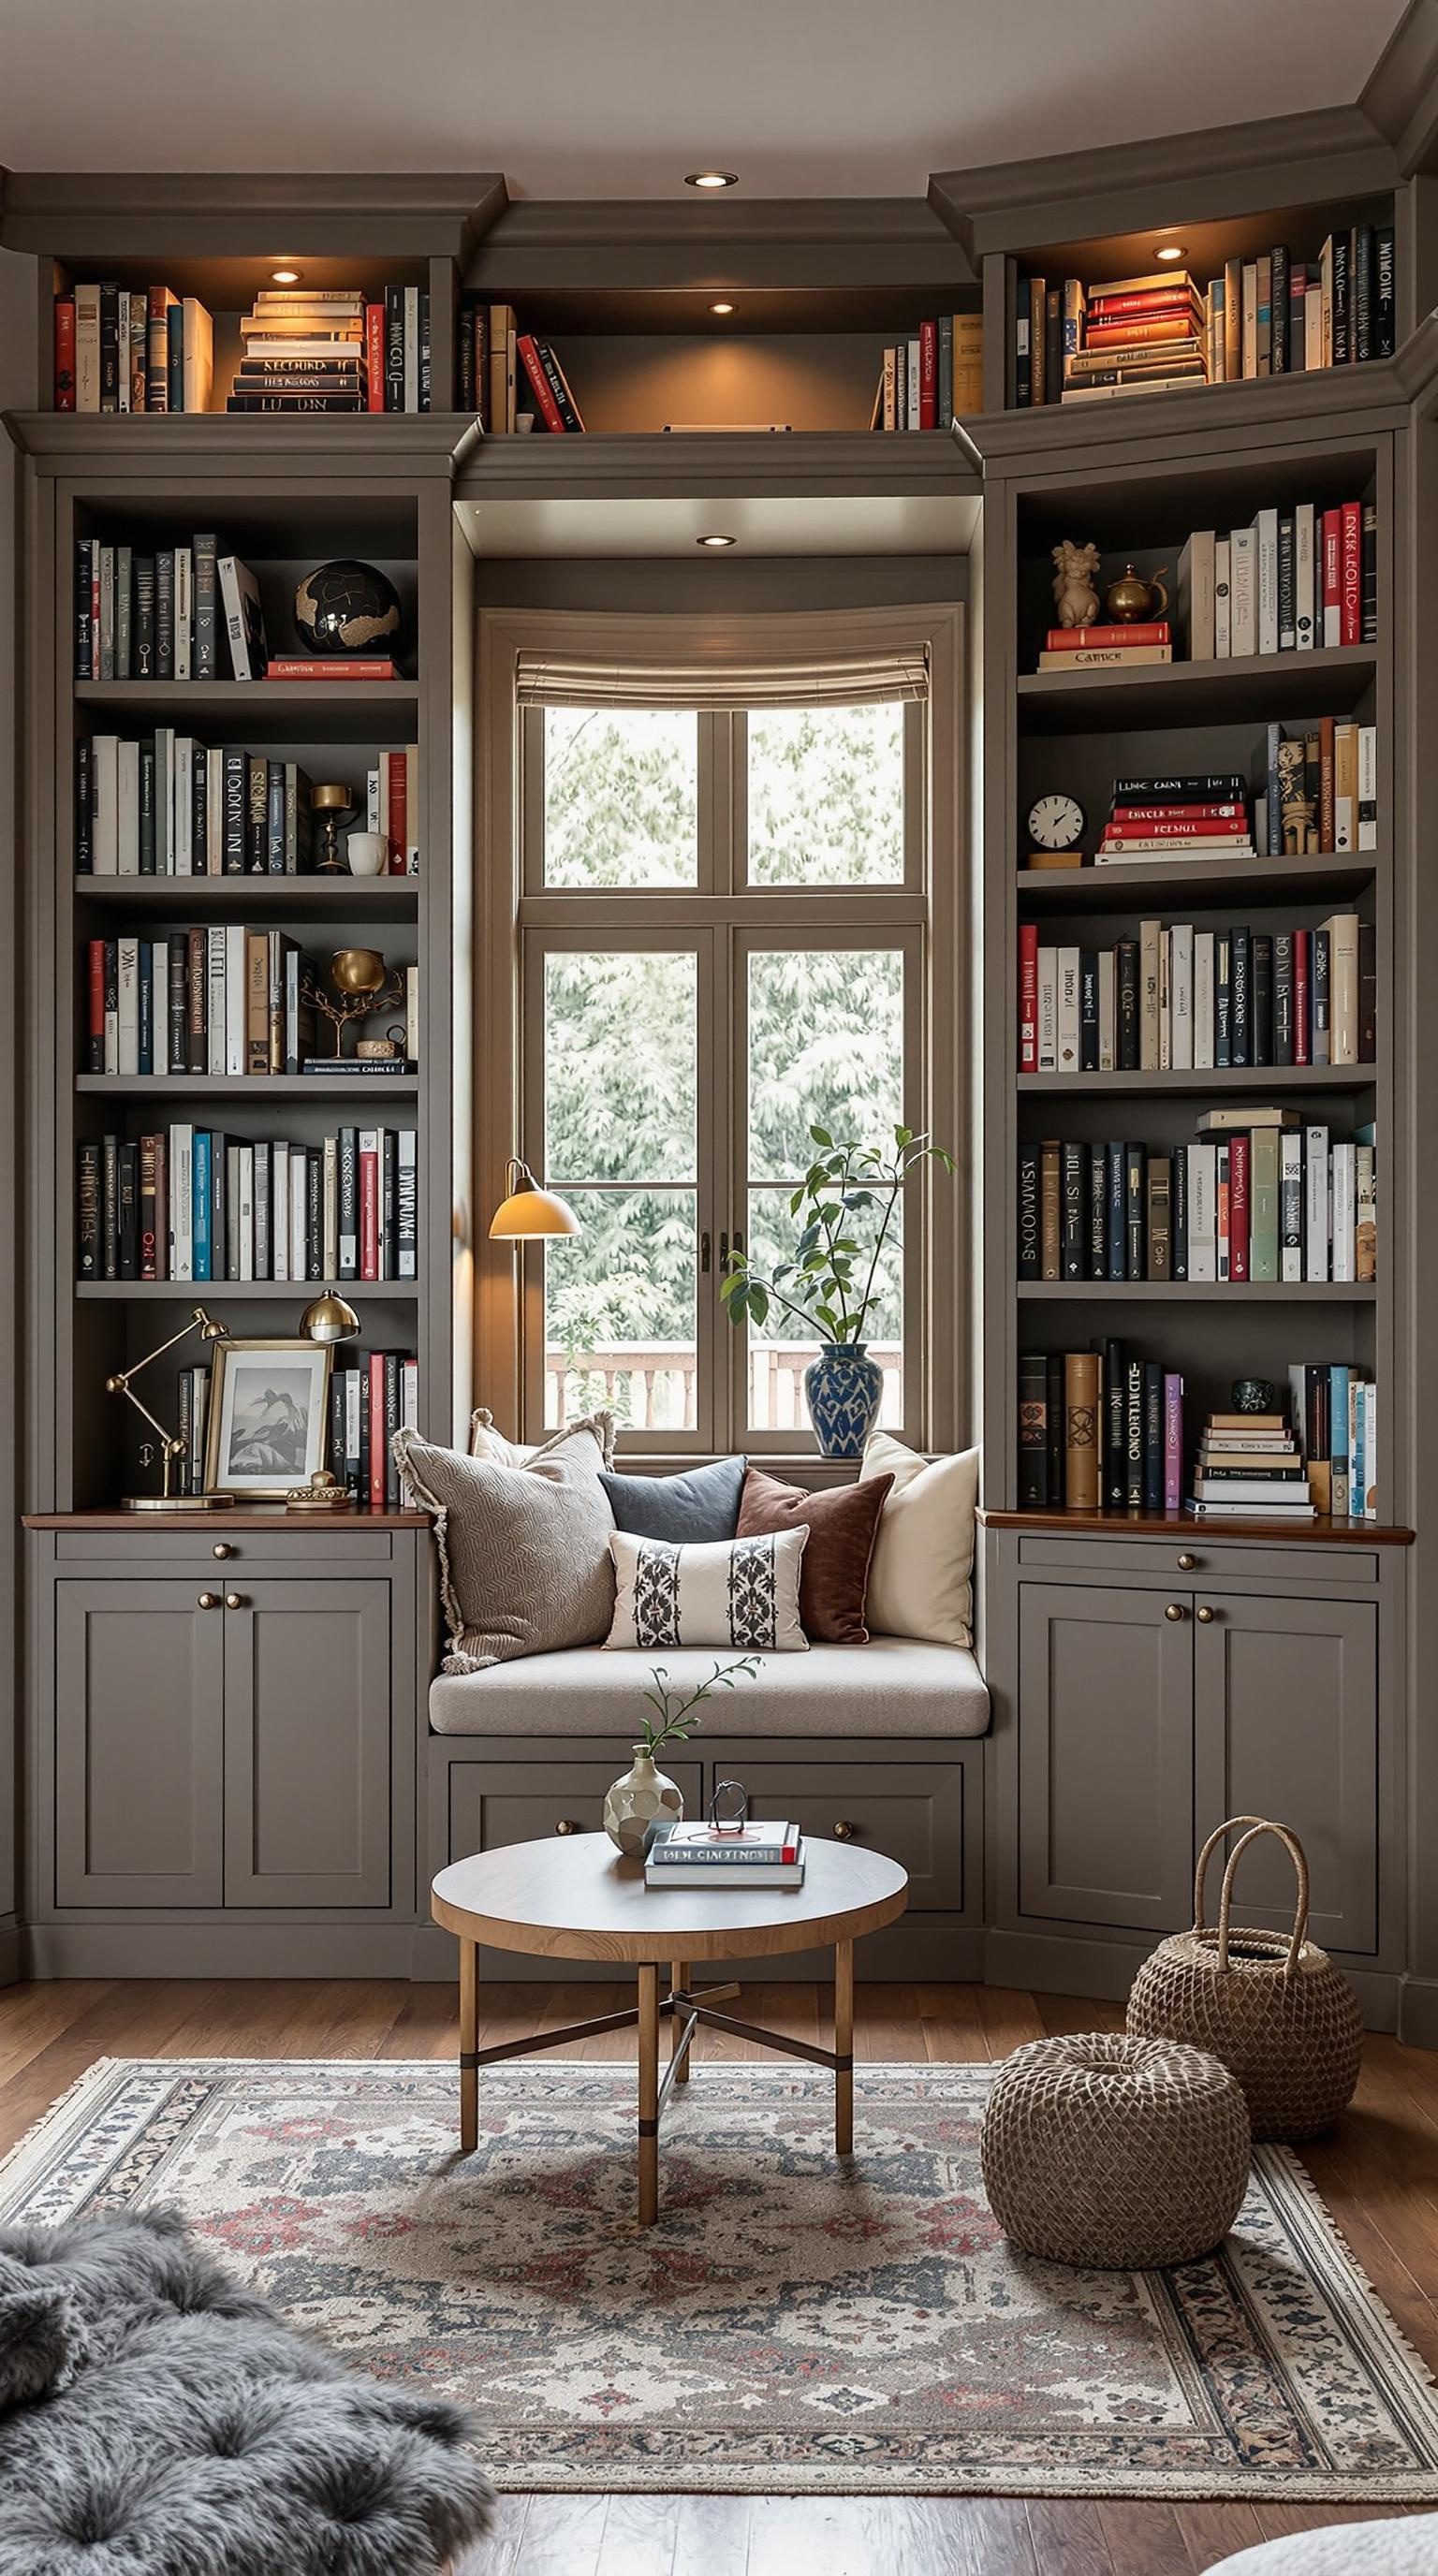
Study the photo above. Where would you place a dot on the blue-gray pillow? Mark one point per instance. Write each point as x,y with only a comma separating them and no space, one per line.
700,1505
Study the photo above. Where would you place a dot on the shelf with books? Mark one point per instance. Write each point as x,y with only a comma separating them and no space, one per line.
241,338
352,898
147,1291
1252,881
1203,1292
255,1086
1324,682
1220,1078
291,710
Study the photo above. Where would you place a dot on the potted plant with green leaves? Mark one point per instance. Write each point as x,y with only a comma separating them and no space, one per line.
847,1200
645,1795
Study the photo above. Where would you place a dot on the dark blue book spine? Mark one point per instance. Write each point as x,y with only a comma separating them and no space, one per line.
1114,1160
1178,1213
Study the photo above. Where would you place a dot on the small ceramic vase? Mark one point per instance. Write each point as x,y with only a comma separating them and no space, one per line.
367,853
642,1798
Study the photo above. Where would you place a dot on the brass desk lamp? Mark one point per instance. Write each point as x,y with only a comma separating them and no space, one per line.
170,1447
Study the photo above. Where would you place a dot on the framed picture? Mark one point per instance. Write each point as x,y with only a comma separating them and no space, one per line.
268,1417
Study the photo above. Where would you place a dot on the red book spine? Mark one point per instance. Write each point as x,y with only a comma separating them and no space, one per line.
291,666
1300,997
369,1222
1332,576
1063,639
533,366
64,353
928,375
1224,831
1132,815
1028,997
374,355
1153,327
1149,299
1327,821
1238,1207
378,1444
395,820
96,1058
1350,594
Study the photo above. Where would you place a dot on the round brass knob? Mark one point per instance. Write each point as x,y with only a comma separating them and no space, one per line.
222,1549
1175,1610
234,1600
1186,1563
843,1832
566,1825
1205,1616
208,1601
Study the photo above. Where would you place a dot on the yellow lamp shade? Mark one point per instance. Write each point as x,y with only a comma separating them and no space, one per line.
528,1213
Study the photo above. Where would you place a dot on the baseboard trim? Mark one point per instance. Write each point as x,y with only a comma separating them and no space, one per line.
1418,2011
1063,1964
216,1949
933,1952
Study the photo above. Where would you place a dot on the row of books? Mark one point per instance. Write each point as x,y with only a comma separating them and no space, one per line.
756,1854
219,1000
1100,1430
166,805
182,613
1271,315
934,378
1246,1204
1318,796
1295,581
1180,999
368,1404
334,349
195,1203
121,348
505,375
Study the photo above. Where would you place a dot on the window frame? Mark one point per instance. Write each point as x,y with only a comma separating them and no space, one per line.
724,917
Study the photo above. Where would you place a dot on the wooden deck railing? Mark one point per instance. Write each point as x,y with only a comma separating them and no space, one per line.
650,1385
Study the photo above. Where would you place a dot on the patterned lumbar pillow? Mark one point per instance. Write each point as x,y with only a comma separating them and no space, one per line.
742,1592
523,1551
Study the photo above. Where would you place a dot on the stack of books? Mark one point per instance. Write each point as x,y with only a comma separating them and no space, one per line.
1250,1462
1105,648
1196,817
1179,999
750,1855
122,348
1139,335
934,379
304,351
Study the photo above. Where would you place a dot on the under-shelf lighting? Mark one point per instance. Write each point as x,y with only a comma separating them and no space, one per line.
711,178
285,276
1170,250
715,542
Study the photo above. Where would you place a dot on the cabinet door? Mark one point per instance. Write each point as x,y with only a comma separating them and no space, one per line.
307,1744
1286,1725
138,1744
913,1811
494,1803
1105,1756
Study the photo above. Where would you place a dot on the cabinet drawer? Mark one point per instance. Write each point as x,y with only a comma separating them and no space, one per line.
926,1815
1205,1560
183,1551
494,1803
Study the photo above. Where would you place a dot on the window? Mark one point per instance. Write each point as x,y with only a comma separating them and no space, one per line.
725,928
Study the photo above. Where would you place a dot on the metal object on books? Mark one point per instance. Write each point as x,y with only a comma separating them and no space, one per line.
364,984
321,1494
170,1446
733,1824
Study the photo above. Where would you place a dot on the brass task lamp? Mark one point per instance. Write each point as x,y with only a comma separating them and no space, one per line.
171,1448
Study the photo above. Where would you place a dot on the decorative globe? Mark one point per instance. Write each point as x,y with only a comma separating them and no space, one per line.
346,607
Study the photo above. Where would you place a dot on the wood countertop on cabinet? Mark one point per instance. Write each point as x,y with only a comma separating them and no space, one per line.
1320,1532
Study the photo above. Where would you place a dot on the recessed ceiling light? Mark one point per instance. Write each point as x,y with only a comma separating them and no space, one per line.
1170,250
285,276
721,308
716,542
711,178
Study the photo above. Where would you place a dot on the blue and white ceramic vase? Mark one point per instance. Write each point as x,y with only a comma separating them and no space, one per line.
844,1388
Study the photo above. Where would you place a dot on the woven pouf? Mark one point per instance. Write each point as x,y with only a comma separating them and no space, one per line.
1407,2545
1115,2152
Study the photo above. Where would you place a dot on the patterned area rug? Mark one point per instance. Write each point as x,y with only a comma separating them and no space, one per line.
787,2325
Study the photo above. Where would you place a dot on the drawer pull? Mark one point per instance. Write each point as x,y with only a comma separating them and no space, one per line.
1204,1615
844,1832
234,1600
222,1549
1175,1610
1186,1563
567,1825
207,1601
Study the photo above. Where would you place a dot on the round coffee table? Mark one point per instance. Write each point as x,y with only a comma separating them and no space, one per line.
575,1898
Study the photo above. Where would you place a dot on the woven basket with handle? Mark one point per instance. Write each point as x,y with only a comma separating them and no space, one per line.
1271,2006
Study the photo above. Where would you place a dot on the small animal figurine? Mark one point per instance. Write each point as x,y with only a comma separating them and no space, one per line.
1075,597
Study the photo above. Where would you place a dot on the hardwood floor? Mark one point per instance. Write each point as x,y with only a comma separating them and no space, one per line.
1378,2172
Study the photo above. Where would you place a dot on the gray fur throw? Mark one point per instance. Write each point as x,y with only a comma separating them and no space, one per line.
156,2419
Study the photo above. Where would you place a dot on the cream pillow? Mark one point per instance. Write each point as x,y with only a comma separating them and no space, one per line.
740,1592
921,1571
486,1442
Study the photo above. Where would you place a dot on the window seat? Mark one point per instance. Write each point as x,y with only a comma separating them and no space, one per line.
893,1686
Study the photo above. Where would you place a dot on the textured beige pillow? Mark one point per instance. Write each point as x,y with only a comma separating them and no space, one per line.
486,1442
920,1574
523,1551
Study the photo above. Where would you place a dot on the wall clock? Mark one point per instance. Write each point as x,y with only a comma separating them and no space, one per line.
1056,822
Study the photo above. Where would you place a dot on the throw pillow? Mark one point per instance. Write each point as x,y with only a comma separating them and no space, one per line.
923,1561
743,1592
702,1504
486,1442
841,1526
523,1551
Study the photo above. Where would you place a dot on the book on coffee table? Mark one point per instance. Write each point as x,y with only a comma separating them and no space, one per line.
750,1855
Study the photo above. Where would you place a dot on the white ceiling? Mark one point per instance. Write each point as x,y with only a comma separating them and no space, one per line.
618,98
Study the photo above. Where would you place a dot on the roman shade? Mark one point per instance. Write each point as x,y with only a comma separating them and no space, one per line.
830,680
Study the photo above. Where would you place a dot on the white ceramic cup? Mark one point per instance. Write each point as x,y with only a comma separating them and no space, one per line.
368,854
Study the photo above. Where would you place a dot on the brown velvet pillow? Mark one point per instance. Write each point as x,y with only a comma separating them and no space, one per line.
841,1526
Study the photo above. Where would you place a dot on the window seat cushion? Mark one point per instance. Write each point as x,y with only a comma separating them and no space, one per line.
892,1686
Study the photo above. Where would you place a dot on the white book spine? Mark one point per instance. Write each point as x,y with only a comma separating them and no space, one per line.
1149,985
280,1210
160,1008
1243,592
182,797
1315,1202
912,363
409,1418
1180,991
235,999
1068,1010
1202,1001
1265,532
127,810
1370,1453
215,1001
298,1185
245,1229
182,1202
128,1015
184,609
1202,1238
1368,787
1313,355
105,776
1344,1212
1222,600
214,813
1165,1000
1048,1003
407,1195
164,800
1107,1060
411,1010
1305,594
1290,1205
87,348
371,807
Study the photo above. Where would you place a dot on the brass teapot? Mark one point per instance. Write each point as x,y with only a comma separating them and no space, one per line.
1130,600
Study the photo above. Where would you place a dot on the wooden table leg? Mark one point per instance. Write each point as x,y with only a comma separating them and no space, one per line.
844,2048
679,1980
468,2044
648,2095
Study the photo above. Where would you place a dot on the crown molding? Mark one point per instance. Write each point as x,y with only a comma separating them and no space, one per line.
1400,96
622,244
227,214
1219,172
1416,368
